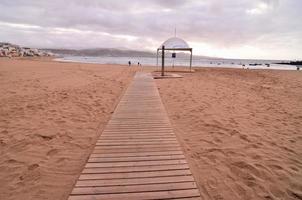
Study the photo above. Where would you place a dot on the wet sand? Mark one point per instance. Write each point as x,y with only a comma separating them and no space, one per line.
241,131
51,114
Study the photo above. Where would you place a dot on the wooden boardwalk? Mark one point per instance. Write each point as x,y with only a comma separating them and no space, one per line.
137,156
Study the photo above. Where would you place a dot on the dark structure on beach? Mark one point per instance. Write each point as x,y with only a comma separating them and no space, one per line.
173,44
291,63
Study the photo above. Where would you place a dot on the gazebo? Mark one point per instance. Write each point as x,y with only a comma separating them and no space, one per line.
173,44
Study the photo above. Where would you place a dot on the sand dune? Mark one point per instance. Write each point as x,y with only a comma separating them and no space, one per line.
241,131
50,116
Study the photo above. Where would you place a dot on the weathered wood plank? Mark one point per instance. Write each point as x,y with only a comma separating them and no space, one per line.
135,163
174,194
125,137
120,144
136,175
139,140
135,154
134,188
134,181
133,159
136,150
134,169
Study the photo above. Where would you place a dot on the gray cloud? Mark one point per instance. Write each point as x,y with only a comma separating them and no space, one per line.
229,24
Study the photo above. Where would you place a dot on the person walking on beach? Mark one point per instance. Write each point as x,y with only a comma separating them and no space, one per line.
129,63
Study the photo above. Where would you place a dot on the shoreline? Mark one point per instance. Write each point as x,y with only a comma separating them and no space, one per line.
98,60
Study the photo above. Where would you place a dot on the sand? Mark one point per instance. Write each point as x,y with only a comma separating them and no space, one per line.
51,114
240,130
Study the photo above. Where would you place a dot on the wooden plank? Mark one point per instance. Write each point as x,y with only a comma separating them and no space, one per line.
138,144
140,158
133,150
135,154
174,194
125,121
138,147
133,188
139,134
142,143
134,169
137,131
131,139
146,129
150,130
142,122
134,181
135,163
140,125
162,173
117,157
125,137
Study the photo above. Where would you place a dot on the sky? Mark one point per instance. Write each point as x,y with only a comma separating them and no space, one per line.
251,29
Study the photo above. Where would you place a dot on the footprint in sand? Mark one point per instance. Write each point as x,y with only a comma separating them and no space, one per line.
33,166
61,161
60,121
294,168
52,152
211,187
275,167
13,161
4,132
217,141
244,137
46,137
295,194
2,143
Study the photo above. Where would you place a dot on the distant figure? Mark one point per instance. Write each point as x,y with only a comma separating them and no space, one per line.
298,67
138,64
129,63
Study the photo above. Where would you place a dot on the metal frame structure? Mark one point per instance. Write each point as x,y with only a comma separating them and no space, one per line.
163,49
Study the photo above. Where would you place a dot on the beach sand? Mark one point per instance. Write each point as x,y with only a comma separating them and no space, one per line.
51,114
240,130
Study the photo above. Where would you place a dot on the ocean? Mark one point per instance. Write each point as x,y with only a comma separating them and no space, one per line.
197,62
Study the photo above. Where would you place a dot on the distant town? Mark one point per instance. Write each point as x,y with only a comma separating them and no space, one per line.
12,50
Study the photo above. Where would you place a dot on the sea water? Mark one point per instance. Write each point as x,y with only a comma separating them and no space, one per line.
197,62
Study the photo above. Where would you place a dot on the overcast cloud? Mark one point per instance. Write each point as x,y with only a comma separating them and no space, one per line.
224,28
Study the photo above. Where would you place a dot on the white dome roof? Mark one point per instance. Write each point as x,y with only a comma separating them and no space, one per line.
175,43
